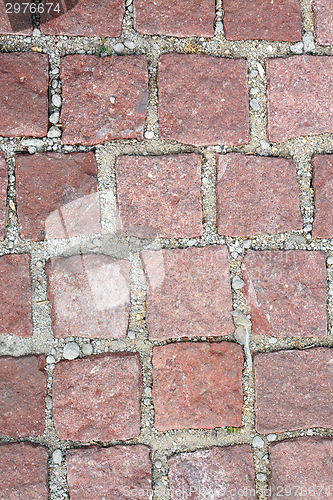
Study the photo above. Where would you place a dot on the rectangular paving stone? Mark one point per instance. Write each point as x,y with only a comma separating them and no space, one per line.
299,89
286,292
197,385
116,473
57,195
97,398
24,94
189,292
294,390
322,183
89,296
23,472
3,193
22,396
203,100
213,473
256,195
262,19
172,18
15,23
323,18
159,196
15,295
108,100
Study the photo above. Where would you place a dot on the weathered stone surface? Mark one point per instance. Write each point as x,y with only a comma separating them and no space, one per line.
22,396
23,94
262,19
294,390
89,296
116,473
323,21
197,385
189,292
57,195
84,18
299,89
169,17
23,472
108,100
203,100
159,196
322,183
286,292
3,193
213,473
98,397
11,22
256,195
302,467
15,295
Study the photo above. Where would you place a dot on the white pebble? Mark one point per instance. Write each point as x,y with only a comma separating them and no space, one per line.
54,118
261,70
56,100
271,437
330,261
237,283
258,442
130,45
71,350
261,477
87,349
254,104
158,464
37,143
50,359
112,99
149,134
297,48
32,150
119,48
54,132
57,457
272,340
310,432
308,41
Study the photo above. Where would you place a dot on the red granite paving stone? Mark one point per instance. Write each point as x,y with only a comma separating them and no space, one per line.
159,196
3,193
299,96
57,195
203,100
197,385
322,183
262,19
98,397
323,18
213,473
294,390
174,18
301,467
23,472
23,94
85,18
89,296
286,292
256,195
11,23
22,396
88,116
116,473
15,296
189,292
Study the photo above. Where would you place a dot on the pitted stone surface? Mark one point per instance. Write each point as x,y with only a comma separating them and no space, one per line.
116,473
22,396
57,195
322,185
23,472
256,195
286,292
197,385
15,295
294,390
299,89
203,100
159,196
98,398
189,292
89,296
3,193
173,18
108,100
323,21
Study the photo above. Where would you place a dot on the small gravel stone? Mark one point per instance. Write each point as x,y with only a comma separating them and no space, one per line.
32,150
130,45
119,48
237,283
271,437
57,457
261,477
54,118
308,41
149,134
71,350
56,100
272,340
87,349
330,261
219,27
254,104
254,73
158,464
54,132
310,432
37,143
50,359
254,91
131,335
258,442
297,48
36,32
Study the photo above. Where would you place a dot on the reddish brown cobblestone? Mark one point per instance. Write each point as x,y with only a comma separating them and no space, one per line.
299,89
294,390
189,292
12,23
323,21
89,296
322,186
22,396
286,292
98,397
159,196
57,195
15,295
203,100
23,94
3,193
213,473
256,195
116,473
108,100
197,385
23,472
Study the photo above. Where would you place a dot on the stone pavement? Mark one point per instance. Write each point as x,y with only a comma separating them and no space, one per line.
166,253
